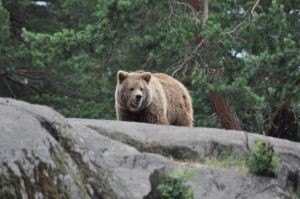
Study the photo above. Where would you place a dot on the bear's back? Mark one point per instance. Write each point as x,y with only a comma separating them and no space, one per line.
178,98
170,85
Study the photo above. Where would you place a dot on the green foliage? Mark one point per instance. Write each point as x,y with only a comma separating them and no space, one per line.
72,67
296,195
262,161
4,28
255,61
66,54
175,187
224,160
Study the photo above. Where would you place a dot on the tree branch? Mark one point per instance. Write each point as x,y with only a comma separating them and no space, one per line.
9,88
254,6
246,18
28,87
2,73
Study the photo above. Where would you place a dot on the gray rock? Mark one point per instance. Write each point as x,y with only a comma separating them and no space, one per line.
129,169
43,154
30,159
39,156
221,183
193,143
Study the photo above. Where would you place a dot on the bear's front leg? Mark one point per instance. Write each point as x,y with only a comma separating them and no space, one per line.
158,117
124,115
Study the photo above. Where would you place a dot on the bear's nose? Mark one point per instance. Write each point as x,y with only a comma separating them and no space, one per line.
138,97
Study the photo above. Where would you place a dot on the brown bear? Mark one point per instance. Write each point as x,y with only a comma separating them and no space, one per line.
152,98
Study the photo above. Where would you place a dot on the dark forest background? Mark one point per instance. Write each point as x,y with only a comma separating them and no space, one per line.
239,59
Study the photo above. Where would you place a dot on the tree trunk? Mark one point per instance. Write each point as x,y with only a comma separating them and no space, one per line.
226,115
205,12
201,7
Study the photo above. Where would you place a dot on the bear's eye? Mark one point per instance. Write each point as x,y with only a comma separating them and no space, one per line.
131,89
141,89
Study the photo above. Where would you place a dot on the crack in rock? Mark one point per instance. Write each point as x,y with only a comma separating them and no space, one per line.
175,152
94,179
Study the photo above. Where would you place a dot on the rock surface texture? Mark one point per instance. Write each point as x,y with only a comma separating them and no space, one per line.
44,155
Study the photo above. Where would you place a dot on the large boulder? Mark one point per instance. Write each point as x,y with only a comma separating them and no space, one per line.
44,155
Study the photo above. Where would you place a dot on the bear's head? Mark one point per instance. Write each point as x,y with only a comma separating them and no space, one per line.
133,92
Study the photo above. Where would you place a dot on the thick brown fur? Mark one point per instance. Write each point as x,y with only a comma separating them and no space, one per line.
164,100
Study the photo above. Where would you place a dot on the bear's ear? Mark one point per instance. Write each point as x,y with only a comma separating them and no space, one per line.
122,75
146,76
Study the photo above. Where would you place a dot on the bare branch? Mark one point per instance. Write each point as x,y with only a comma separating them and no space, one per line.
29,76
246,18
237,26
28,87
186,58
205,12
247,141
2,73
9,88
254,6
